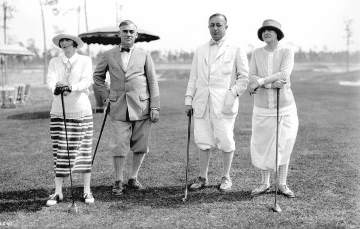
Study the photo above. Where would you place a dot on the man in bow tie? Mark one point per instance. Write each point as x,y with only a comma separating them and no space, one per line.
219,74
134,102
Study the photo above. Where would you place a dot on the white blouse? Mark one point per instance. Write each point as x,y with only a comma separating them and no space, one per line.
77,72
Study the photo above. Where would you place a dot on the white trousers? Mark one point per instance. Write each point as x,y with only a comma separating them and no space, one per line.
211,131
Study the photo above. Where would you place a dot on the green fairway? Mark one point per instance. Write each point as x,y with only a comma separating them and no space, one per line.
324,168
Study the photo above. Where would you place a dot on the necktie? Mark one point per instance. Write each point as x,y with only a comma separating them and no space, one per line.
124,50
212,42
67,69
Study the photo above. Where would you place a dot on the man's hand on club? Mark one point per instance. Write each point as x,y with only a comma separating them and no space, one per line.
154,115
253,85
188,110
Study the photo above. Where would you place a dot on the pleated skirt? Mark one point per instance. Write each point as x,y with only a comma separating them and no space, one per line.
78,155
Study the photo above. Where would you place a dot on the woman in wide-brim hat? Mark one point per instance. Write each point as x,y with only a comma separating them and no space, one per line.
73,71
270,68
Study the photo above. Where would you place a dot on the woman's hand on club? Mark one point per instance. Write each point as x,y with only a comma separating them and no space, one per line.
278,84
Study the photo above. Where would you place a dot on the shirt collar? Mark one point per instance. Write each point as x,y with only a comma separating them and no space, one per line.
71,59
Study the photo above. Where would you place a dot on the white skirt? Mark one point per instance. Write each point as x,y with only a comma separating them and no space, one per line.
263,138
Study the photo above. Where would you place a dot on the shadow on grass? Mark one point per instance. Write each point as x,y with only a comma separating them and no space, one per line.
28,200
169,197
31,115
156,197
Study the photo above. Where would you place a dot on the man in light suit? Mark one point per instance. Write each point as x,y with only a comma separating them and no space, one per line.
134,102
219,74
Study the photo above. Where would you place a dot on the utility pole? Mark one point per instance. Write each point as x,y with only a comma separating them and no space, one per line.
348,35
5,7
86,25
44,42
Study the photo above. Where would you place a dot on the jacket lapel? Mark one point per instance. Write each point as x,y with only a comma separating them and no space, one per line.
222,50
132,57
118,59
206,54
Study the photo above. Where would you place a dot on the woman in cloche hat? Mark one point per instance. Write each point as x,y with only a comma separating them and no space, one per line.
70,74
270,68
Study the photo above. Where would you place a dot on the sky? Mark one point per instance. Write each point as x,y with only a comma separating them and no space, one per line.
182,24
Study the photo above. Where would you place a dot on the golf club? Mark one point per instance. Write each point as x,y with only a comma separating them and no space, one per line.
72,208
276,207
189,114
101,130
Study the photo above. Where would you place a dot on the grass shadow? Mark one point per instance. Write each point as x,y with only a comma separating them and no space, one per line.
30,115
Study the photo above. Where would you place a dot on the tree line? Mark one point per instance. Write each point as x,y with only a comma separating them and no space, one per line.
183,57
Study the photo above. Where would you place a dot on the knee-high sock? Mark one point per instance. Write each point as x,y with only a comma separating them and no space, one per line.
58,185
119,164
87,179
227,160
137,160
204,158
265,177
283,171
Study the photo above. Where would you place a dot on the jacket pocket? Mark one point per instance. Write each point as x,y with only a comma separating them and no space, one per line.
229,106
144,102
143,97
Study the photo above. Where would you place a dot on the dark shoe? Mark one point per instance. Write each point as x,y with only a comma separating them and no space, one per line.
198,183
262,189
54,199
225,184
284,190
117,189
134,184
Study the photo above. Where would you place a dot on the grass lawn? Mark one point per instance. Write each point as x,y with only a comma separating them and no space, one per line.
324,170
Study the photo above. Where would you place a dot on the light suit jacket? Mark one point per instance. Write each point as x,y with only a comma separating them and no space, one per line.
134,88
227,75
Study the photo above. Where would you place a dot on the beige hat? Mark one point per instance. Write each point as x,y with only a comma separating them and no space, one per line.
273,25
76,39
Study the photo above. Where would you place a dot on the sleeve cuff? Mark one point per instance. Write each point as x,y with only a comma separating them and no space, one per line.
261,81
267,85
188,100
233,91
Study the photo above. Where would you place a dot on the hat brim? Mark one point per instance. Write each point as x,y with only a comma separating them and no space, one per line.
76,39
280,34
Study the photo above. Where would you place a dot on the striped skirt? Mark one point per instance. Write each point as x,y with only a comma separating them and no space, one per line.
79,135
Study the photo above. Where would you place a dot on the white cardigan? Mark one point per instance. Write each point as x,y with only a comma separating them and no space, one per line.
77,103
276,65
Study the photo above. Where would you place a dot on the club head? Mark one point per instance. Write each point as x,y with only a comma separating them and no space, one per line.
276,208
73,209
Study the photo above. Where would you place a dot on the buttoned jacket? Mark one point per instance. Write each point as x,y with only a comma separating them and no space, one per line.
133,88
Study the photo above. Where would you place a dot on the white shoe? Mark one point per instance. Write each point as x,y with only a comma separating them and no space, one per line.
54,199
89,198
225,184
262,189
285,190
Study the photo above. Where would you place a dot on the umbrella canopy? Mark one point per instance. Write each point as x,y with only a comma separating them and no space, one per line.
110,36
15,50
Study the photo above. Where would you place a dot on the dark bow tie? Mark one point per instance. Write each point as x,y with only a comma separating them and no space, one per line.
124,50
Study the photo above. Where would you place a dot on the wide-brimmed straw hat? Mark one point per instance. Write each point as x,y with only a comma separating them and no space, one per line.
76,39
272,25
